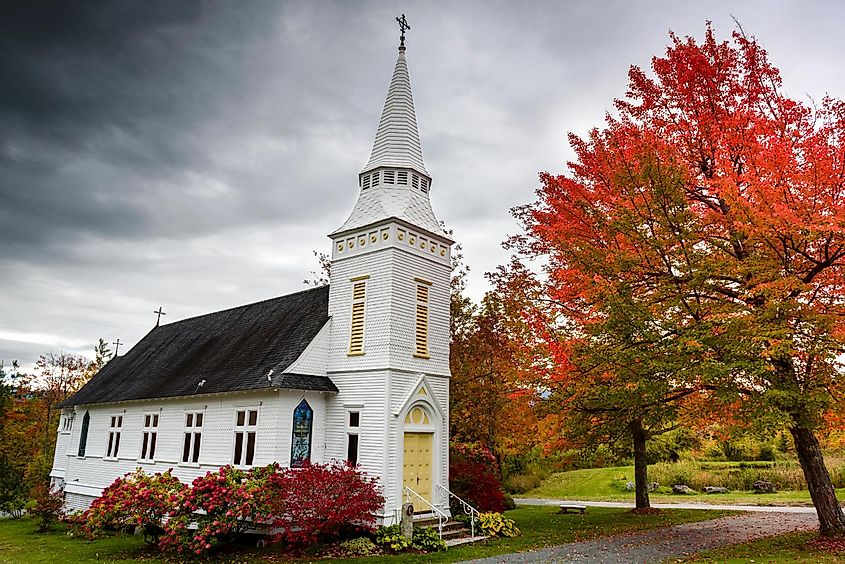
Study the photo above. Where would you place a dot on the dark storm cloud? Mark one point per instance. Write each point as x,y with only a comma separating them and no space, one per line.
192,154
110,114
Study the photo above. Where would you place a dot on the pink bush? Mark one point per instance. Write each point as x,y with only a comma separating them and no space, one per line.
136,499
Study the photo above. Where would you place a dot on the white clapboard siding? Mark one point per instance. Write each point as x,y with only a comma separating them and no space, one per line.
86,477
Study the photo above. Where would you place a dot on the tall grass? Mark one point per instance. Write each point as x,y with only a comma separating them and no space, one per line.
785,475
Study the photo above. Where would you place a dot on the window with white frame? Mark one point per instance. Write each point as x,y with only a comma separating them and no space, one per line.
67,423
115,426
353,424
149,437
193,437
246,425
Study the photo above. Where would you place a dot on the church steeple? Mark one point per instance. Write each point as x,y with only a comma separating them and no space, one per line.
397,142
395,184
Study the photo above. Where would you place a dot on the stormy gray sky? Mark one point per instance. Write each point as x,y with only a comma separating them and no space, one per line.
193,154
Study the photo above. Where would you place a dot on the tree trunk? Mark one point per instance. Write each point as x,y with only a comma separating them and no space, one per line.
640,464
831,518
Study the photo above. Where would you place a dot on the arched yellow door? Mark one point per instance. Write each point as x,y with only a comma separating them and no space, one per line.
417,470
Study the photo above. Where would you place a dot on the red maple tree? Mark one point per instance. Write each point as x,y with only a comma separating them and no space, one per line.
699,239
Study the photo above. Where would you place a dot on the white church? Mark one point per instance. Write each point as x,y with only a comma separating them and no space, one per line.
357,370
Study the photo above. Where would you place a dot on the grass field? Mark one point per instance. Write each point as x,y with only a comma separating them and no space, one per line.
784,548
608,484
541,526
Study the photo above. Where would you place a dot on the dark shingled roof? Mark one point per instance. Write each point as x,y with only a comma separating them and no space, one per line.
232,350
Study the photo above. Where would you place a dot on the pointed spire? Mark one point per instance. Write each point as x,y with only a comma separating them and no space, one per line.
397,142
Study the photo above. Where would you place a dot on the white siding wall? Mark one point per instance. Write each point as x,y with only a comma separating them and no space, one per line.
406,267
314,359
364,392
63,445
86,477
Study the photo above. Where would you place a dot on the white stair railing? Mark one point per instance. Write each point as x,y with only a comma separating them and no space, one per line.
468,509
441,516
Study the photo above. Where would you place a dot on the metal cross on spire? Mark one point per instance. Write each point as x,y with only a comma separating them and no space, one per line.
159,313
116,344
403,27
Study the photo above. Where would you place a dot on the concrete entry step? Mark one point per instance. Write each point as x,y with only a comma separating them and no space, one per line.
464,540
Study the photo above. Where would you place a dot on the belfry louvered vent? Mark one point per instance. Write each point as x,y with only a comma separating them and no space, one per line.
402,178
375,179
389,177
421,341
356,332
424,185
366,182
415,181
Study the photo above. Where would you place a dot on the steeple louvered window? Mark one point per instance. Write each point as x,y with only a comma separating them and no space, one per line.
421,322
415,181
375,179
402,177
424,185
356,331
389,177
365,183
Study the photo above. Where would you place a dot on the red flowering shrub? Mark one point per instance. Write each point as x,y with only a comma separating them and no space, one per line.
136,499
324,500
49,506
474,476
316,502
224,504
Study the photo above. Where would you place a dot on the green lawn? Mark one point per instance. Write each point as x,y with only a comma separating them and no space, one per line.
608,484
784,548
541,526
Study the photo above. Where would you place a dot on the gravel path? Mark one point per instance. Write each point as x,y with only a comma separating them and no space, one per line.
625,504
671,542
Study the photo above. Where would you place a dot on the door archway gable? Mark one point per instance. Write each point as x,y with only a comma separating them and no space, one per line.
414,396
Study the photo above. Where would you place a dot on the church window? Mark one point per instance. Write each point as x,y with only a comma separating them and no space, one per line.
83,435
389,177
421,341
67,423
115,427
417,416
402,177
353,423
356,332
300,447
193,437
375,178
246,424
149,436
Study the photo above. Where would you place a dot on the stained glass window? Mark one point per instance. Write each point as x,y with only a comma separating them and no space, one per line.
300,449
